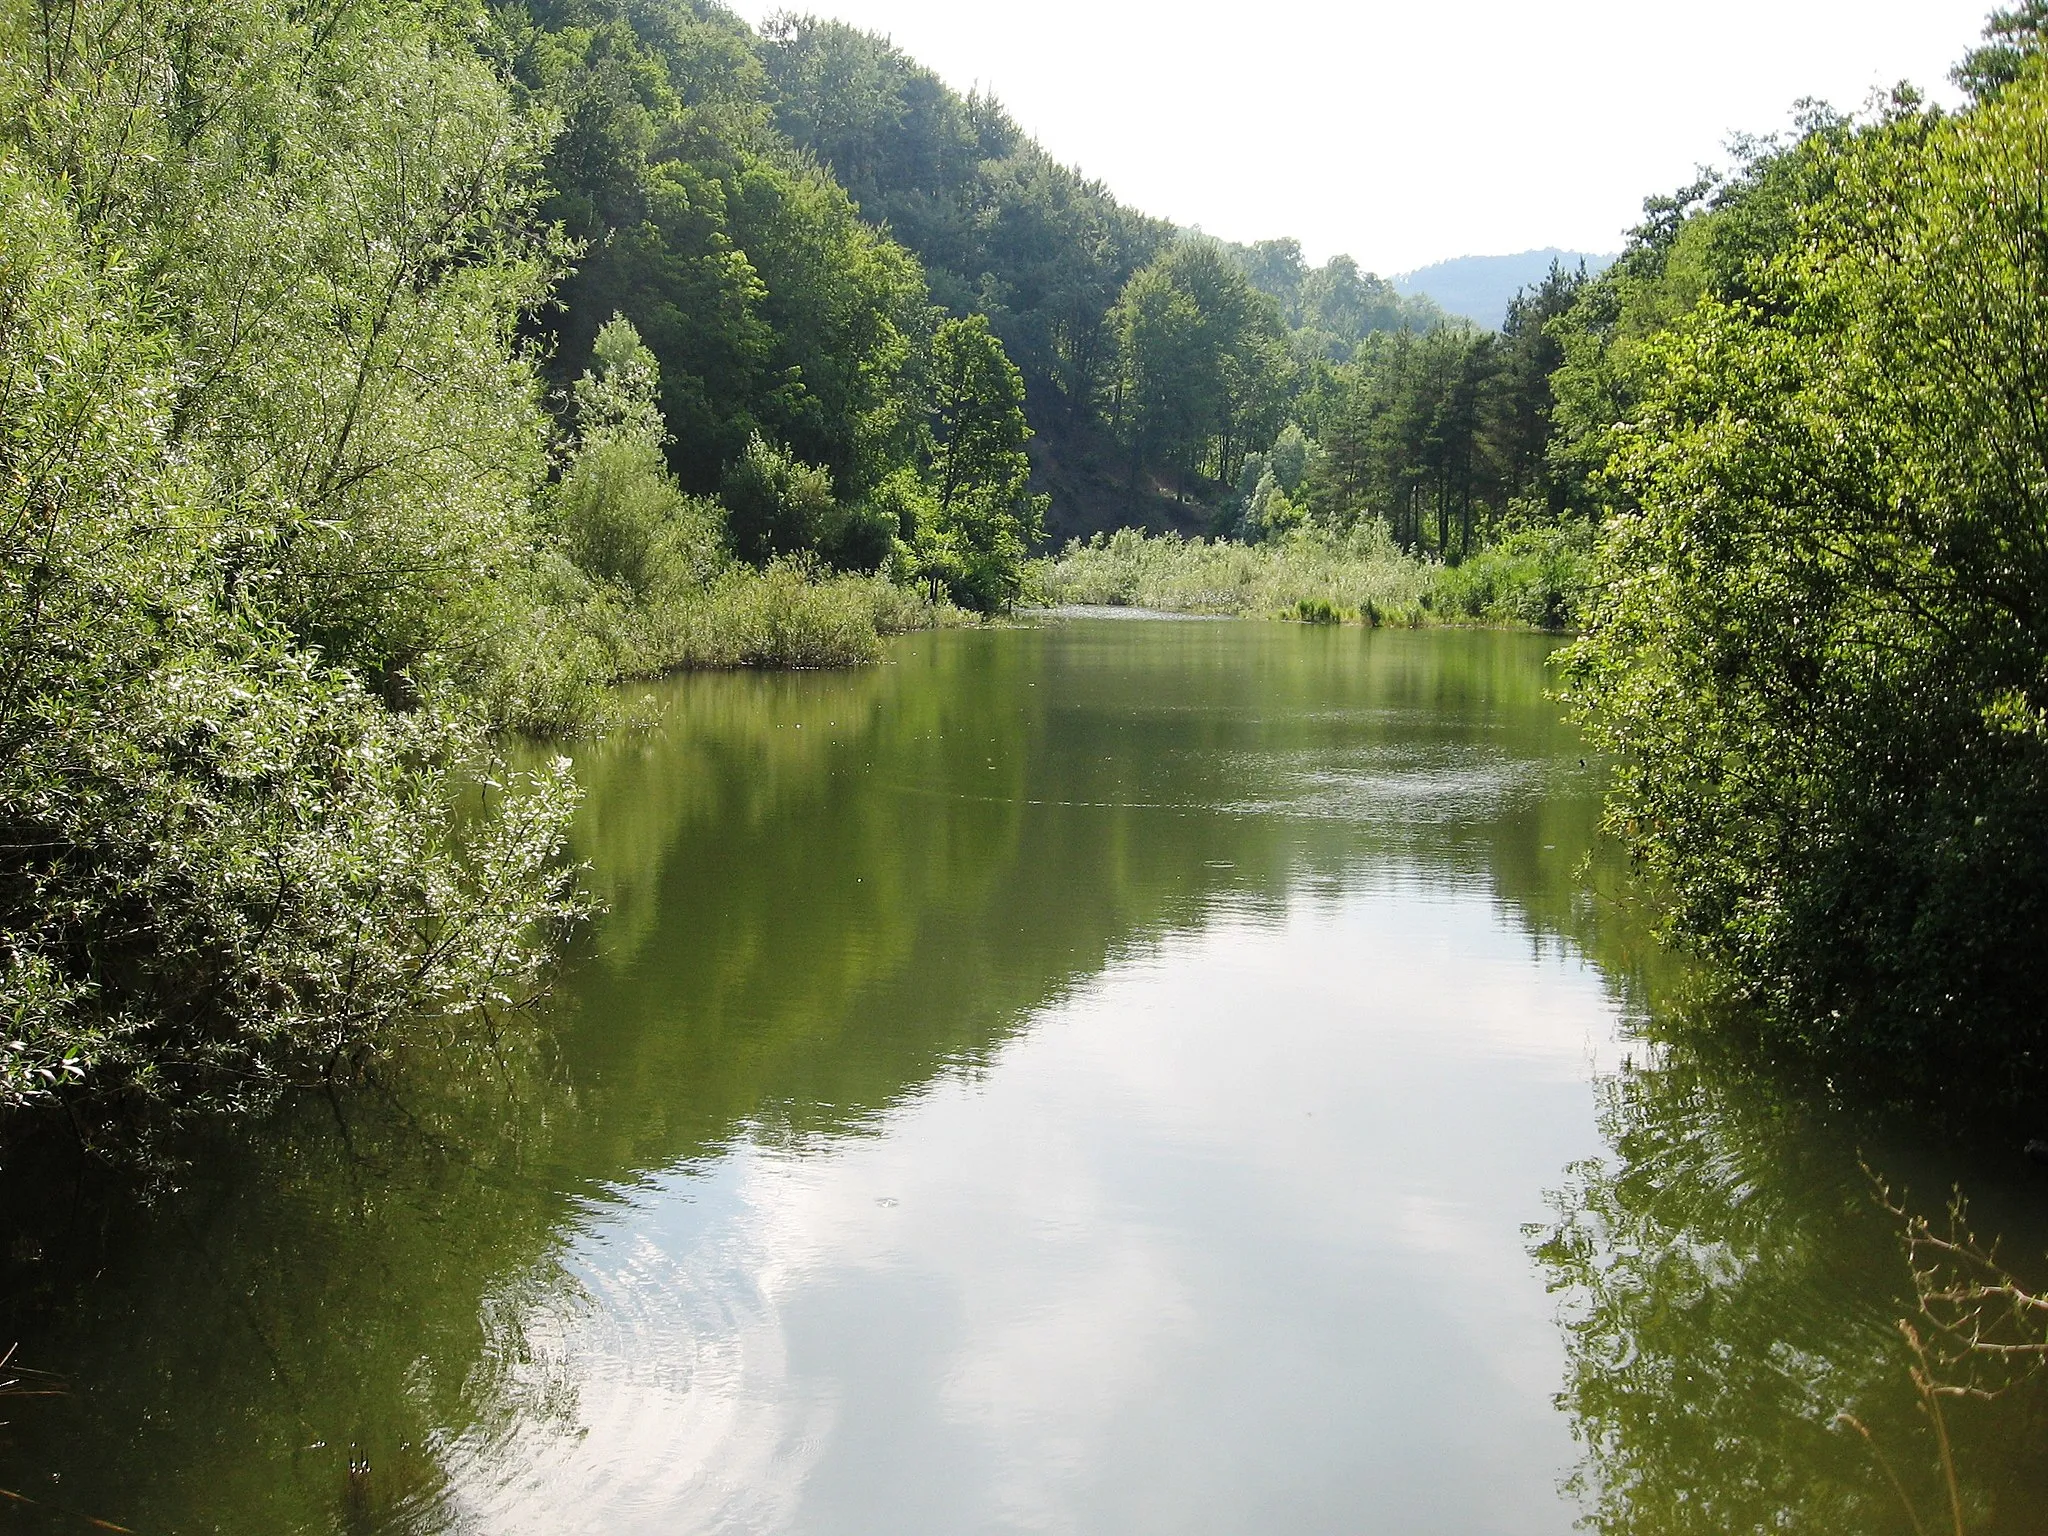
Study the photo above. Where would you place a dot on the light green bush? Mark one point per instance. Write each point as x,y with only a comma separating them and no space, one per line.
228,864
1536,575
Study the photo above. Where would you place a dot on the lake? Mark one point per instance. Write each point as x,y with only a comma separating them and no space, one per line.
1094,1077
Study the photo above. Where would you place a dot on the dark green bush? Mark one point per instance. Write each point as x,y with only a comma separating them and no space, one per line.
774,504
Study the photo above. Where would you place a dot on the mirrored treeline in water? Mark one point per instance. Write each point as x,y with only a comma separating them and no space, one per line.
1103,1077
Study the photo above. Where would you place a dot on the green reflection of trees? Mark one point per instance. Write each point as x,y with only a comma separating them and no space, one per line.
1730,1289
228,1347
826,888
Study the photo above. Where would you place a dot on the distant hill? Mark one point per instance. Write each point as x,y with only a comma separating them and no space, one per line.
1479,287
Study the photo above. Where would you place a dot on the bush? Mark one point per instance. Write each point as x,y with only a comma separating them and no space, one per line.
775,505
227,864
1536,575
619,515
1817,640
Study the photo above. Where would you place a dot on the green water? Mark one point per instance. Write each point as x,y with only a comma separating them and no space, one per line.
1115,1077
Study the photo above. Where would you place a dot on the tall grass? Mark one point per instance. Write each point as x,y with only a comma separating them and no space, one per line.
1534,576
557,674
784,616
1359,572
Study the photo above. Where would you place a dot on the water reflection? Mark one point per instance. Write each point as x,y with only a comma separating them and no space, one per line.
1089,1079
1138,1276
1732,1289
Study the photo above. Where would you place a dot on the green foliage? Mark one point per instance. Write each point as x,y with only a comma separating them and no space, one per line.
267,445
618,514
620,517
1707,241
1002,229
326,215
982,516
619,395
1815,638
1538,575
1288,459
775,505
277,532
788,615
1401,438
1204,362
768,306
1330,309
2012,37
647,585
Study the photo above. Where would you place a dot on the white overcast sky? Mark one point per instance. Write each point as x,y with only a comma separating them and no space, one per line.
1406,133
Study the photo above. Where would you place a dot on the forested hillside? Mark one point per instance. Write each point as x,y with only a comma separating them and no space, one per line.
365,369
1163,369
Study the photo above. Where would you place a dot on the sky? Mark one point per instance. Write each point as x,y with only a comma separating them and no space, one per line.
1405,133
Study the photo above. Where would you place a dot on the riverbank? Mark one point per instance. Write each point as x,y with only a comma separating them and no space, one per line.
788,616
1534,577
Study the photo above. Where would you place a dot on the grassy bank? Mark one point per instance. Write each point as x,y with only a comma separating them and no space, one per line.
788,615
1534,576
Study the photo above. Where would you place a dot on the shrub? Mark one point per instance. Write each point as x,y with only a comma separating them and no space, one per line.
1536,575
619,515
775,505
227,865
1817,641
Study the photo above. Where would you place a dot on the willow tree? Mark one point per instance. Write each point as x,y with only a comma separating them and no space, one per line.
267,445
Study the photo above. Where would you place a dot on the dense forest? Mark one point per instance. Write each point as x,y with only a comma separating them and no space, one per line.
377,376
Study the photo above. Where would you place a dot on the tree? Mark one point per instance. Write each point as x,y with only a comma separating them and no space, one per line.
1406,438
2011,38
1001,228
1203,363
1519,409
769,306
983,516
775,504
270,449
618,513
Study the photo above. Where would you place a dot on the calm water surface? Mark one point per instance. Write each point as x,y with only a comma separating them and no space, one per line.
1102,1078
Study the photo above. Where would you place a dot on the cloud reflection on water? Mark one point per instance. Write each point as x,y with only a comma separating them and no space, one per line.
1228,1240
